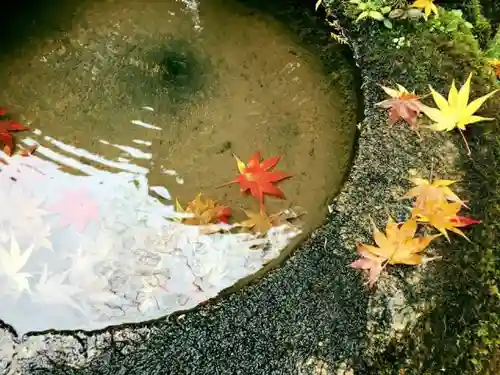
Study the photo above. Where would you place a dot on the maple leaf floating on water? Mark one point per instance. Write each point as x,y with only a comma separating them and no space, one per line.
256,177
205,211
443,216
7,127
397,246
76,208
436,190
259,222
402,105
455,112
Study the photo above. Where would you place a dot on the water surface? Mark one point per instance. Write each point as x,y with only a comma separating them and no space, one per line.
137,97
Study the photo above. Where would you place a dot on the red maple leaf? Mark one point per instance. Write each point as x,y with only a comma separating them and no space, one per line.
223,214
257,179
463,221
7,127
8,141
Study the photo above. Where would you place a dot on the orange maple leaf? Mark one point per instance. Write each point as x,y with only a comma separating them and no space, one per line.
433,190
205,211
495,64
397,246
256,177
402,105
443,216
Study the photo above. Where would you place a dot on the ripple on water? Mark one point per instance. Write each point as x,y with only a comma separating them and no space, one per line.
135,107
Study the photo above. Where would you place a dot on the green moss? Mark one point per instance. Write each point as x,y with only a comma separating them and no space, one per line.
473,12
445,45
460,333
491,10
482,27
494,47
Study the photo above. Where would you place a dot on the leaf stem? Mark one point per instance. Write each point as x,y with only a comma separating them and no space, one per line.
432,170
465,141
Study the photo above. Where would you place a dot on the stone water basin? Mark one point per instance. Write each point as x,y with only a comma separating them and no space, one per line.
133,106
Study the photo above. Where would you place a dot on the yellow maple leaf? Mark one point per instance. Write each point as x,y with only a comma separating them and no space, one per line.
455,112
259,222
441,215
428,6
437,190
397,246
205,211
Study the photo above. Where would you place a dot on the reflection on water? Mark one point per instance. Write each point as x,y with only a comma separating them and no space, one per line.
85,252
137,105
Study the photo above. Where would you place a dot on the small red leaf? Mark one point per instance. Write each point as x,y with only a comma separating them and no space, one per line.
7,140
462,221
11,126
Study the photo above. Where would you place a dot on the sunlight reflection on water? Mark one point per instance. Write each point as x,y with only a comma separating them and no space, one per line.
136,108
93,250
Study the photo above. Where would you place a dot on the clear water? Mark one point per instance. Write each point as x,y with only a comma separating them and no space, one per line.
136,104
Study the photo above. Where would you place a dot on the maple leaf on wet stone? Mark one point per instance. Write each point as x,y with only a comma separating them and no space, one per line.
443,216
397,246
456,111
437,205
434,190
402,105
256,177
76,208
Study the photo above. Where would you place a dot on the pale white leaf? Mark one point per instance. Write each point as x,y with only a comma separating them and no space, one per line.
52,289
11,263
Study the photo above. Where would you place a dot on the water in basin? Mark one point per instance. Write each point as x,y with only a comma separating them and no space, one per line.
134,105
